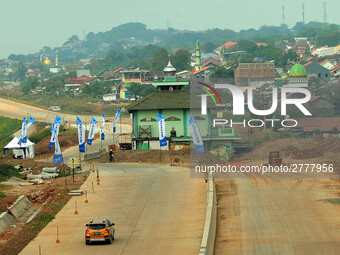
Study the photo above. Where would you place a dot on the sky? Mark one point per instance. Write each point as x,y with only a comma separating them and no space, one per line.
28,25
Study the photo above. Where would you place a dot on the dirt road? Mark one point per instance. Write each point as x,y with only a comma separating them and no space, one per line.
278,216
157,210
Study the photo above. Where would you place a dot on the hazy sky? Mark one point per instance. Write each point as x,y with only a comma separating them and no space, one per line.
27,25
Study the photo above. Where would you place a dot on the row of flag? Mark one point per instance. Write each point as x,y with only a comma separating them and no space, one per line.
58,158
194,131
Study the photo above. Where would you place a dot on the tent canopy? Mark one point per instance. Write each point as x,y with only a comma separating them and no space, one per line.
26,150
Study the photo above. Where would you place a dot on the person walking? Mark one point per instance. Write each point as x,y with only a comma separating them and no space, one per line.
111,158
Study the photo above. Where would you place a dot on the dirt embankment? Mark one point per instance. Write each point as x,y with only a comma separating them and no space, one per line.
65,142
315,149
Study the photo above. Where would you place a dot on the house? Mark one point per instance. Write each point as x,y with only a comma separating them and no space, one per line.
174,103
113,75
335,71
203,72
325,126
227,47
324,51
315,69
129,77
80,80
327,64
254,74
33,72
211,62
319,103
83,73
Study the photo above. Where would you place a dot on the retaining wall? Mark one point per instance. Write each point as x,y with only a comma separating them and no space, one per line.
209,232
20,206
95,155
5,221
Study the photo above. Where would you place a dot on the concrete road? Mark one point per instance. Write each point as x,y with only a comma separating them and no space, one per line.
156,209
277,216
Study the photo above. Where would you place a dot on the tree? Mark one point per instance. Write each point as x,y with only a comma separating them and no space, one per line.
181,60
221,72
160,59
19,73
29,84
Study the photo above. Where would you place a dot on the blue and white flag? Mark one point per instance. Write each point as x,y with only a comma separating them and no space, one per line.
23,131
24,128
196,135
81,135
55,131
58,157
102,135
161,130
116,119
91,132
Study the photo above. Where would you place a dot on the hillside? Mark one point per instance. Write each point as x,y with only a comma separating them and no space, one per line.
128,35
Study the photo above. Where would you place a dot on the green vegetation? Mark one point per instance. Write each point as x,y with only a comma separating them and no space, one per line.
8,127
38,136
7,171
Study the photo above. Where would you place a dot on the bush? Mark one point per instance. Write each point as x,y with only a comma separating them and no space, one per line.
7,171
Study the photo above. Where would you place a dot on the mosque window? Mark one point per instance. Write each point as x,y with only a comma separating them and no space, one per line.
148,119
173,118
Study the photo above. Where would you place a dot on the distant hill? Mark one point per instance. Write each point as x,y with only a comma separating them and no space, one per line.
125,36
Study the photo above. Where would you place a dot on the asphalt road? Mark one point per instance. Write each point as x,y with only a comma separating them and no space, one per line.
156,209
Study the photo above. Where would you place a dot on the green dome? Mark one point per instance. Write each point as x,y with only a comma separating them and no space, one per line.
298,71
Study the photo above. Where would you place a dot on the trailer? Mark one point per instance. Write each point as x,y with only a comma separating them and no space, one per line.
125,141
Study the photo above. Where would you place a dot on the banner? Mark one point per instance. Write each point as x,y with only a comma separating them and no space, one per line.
23,137
161,130
23,131
81,135
55,131
117,116
58,157
102,135
91,132
196,135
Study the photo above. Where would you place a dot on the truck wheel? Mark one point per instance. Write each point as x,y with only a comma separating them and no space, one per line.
87,242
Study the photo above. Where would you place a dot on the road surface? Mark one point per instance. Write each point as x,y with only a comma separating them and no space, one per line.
156,209
277,216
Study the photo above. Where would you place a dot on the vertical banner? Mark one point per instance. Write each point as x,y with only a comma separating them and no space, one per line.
161,130
58,157
81,135
91,132
102,135
196,135
23,137
116,119
23,131
55,131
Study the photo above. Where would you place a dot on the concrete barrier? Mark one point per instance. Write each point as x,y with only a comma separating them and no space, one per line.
5,221
209,232
94,155
20,206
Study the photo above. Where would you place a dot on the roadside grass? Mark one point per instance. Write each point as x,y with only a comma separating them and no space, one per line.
334,201
8,127
3,188
7,171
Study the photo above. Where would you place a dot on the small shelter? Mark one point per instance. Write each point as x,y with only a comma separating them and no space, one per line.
24,150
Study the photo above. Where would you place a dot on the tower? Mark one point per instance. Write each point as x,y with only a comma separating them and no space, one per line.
325,13
303,13
198,63
56,60
283,15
